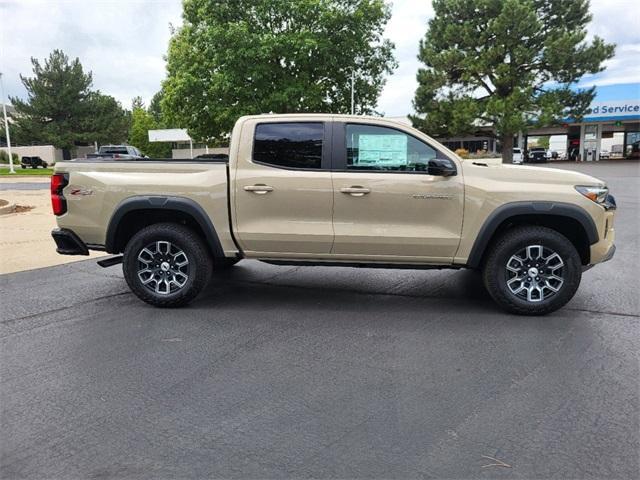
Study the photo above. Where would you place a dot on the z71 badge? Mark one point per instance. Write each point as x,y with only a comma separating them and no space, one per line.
80,191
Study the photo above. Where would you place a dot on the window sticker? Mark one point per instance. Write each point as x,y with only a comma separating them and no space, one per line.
382,149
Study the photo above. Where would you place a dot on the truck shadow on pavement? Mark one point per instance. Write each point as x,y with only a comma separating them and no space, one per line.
440,292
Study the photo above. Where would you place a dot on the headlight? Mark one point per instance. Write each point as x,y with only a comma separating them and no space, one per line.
595,194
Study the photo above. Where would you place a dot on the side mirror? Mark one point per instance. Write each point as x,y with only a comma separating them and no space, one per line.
441,167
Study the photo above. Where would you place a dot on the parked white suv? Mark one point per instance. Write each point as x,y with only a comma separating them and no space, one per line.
517,156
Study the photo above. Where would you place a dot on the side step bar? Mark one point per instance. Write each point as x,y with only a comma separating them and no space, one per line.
111,261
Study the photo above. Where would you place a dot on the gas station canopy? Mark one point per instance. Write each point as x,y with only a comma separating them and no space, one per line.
613,103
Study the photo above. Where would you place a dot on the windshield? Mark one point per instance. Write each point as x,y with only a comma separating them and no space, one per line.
112,150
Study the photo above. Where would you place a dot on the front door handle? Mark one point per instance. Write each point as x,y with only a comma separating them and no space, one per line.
258,189
355,191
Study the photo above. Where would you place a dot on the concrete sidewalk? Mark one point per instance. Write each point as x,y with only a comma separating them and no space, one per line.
17,178
25,237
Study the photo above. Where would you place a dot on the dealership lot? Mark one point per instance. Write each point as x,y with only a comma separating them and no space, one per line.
324,372
25,236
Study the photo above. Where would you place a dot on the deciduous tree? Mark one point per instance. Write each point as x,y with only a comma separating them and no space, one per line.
141,122
245,57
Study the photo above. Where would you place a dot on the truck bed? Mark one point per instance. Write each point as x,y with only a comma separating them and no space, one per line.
98,186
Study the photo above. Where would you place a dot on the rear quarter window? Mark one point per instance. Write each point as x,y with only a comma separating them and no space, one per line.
289,144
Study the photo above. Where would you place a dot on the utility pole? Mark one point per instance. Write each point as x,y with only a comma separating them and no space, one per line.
6,127
353,79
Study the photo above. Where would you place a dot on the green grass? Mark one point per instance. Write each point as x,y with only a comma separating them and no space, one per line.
39,172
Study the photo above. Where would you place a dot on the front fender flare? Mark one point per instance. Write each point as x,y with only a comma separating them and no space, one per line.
513,209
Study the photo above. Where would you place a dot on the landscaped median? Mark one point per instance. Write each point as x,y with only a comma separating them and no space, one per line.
6,207
31,172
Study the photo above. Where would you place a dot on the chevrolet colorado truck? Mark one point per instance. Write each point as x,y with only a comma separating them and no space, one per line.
335,190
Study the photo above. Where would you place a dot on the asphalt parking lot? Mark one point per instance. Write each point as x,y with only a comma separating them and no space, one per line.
283,372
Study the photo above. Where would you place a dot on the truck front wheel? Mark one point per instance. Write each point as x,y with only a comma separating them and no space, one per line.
532,270
166,265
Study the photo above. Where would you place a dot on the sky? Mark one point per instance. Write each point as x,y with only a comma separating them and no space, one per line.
123,42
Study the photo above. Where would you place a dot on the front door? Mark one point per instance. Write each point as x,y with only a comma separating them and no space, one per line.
283,194
396,197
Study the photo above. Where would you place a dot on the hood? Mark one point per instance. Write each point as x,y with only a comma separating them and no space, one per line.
520,173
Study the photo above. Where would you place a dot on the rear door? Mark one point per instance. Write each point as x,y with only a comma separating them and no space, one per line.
396,197
283,193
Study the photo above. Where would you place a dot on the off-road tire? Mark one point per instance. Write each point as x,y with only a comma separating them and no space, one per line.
199,260
495,274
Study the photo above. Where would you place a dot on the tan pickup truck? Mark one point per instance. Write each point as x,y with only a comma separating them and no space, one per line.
335,190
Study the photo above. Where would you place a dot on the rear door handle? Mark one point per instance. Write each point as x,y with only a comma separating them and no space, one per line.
258,189
355,191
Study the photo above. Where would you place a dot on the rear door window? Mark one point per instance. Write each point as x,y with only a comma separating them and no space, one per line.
289,144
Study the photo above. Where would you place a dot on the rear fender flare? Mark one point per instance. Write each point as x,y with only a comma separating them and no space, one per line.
181,204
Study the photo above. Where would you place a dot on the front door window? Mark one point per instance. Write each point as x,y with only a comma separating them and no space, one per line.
375,148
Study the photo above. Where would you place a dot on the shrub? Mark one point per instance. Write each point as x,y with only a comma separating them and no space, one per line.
484,154
462,152
4,157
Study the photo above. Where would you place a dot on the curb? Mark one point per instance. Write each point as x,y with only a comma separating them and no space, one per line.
6,209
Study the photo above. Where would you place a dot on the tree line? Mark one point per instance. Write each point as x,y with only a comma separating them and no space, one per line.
509,63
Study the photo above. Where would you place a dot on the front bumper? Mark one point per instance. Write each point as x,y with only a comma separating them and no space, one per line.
68,242
605,258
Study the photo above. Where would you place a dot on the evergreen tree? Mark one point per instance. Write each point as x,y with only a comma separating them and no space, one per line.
509,63
61,109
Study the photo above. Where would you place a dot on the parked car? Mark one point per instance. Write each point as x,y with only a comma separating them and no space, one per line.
336,190
214,156
536,155
116,151
33,162
605,155
517,156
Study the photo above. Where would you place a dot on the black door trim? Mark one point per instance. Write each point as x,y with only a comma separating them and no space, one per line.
339,149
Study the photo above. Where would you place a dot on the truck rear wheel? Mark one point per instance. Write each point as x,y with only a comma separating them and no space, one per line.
532,270
166,265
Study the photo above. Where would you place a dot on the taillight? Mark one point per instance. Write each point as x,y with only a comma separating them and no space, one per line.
58,202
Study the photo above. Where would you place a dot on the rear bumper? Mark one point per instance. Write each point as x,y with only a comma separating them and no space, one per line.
68,242
609,255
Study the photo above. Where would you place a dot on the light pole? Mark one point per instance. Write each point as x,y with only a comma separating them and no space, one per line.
353,79
6,127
